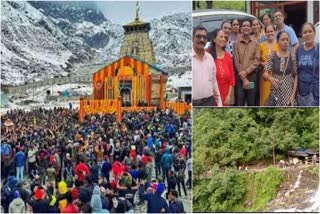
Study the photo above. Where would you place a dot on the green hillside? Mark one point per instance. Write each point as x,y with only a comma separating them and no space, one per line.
224,139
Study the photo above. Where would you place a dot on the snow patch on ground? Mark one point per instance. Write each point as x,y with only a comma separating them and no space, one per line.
36,98
180,80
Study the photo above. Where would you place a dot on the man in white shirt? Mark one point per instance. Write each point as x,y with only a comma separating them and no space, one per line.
32,158
205,91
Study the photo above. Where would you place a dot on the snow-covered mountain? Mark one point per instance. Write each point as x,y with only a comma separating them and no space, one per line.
171,36
41,40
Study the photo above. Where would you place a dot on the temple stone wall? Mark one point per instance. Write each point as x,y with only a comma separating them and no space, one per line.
138,44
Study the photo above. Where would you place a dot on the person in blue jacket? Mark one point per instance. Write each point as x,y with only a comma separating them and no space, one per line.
156,203
175,205
20,158
166,163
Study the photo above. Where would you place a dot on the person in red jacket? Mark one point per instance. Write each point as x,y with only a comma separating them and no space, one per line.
81,170
145,159
70,208
183,151
133,153
117,168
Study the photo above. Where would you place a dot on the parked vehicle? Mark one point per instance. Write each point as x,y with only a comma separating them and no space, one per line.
212,19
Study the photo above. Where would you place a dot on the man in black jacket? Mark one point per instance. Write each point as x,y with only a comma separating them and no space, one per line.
175,205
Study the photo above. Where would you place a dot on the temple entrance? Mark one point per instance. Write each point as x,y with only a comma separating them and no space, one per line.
125,94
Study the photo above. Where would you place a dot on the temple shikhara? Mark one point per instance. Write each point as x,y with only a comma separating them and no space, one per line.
133,82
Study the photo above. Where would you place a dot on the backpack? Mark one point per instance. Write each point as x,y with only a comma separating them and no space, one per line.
6,195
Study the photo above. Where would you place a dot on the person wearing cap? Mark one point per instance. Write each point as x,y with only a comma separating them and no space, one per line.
127,187
17,205
40,200
61,196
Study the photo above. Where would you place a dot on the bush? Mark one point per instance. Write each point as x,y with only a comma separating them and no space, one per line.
280,157
267,184
219,193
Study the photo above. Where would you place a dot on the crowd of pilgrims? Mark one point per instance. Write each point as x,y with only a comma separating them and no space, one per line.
51,163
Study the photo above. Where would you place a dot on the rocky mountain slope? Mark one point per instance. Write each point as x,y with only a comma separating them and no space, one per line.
41,40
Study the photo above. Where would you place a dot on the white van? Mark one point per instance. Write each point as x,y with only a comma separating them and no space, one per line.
212,19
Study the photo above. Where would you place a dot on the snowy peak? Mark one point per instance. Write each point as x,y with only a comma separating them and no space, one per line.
171,36
71,11
28,48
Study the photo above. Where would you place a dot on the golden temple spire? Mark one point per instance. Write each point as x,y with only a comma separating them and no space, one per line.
137,11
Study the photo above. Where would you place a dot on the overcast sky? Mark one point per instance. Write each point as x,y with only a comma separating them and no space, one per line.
123,12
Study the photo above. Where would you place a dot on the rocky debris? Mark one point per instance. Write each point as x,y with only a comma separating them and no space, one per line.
295,193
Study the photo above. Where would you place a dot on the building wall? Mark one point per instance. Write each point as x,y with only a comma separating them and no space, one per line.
146,87
315,12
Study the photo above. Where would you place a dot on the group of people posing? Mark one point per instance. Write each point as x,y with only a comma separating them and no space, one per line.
52,163
247,65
